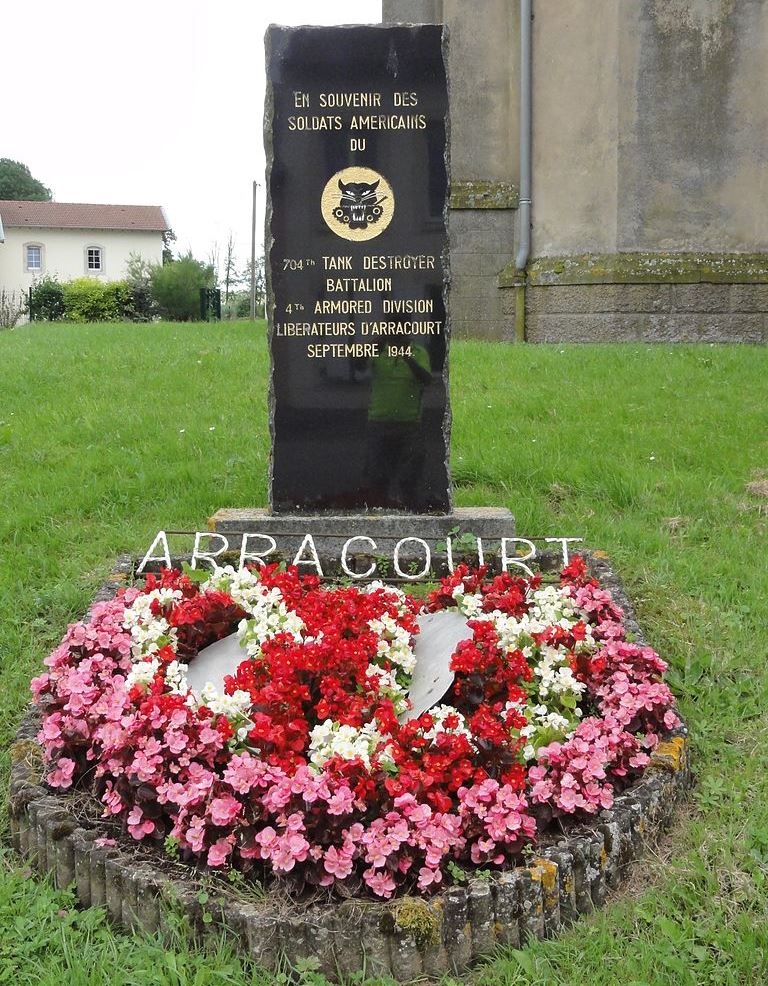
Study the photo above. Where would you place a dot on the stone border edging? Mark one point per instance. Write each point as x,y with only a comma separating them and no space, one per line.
404,938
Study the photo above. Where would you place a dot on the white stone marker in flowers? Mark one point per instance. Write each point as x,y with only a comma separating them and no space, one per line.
214,662
440,635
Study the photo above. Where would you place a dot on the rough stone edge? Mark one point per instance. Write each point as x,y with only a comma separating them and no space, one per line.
438,935
269,242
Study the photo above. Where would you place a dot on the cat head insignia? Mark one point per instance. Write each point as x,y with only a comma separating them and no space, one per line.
357,203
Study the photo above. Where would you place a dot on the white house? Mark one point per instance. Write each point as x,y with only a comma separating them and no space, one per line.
73,239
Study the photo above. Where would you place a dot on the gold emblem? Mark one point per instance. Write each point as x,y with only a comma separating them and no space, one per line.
357,203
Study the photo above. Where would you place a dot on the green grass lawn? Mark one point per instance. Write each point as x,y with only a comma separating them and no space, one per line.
108,433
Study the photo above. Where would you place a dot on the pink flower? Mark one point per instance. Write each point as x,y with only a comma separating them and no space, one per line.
175,741
51,728
219,851
567,800
428,876
278,795
222,811
266,839
112,801
61,777
243,772
341,802
338,863
39,685
571,781
195,834
139,826
290,849
381,883
671,720
210,737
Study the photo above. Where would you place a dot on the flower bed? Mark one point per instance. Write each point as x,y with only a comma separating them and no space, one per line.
306,768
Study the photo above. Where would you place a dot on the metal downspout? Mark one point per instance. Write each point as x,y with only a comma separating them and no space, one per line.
524,249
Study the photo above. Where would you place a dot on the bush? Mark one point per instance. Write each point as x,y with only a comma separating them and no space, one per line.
176,287
239,306
142,306
47,300
12,307
87,299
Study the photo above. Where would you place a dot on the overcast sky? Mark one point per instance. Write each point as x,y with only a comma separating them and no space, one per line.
150,102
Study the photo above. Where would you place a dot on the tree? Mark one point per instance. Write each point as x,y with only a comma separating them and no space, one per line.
16,182
214,262
176,287
231,276
260,280
169,237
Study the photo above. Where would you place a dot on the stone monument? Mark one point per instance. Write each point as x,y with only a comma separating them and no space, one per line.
358,322
358,280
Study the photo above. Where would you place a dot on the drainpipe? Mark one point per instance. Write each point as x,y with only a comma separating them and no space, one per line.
524,248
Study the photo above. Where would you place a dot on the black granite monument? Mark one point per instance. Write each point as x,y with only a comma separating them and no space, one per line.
357,149
356,133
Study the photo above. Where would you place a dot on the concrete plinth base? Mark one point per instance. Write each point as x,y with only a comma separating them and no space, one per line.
398,544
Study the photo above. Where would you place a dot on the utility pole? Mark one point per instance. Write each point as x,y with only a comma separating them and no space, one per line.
253,253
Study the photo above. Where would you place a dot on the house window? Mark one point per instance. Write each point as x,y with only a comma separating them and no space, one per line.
34,262
93,260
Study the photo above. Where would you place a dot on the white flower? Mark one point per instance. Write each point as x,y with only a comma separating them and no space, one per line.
332,739
394,642
235,707
555,674
267,622
269,613
176,677
142,673
149,632
472,605
555,721
552,605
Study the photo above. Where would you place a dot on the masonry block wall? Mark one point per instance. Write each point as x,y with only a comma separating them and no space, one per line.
658,313
647,313
480,248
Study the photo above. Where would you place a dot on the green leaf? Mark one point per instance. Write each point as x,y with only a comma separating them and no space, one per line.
197,575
